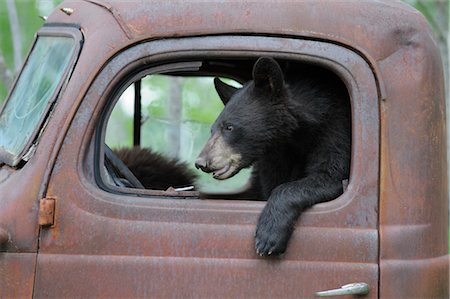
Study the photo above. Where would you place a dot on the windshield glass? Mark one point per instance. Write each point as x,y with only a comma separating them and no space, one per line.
33,92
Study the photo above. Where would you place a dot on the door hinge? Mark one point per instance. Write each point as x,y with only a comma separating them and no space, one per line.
47,211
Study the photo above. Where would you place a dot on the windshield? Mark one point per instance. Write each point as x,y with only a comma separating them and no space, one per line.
33,93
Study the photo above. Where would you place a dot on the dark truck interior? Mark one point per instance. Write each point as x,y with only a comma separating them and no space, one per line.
116,176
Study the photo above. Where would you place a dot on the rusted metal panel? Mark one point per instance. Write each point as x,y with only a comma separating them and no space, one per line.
414,195
17,274
415,278
93,222
155,277
19,205
18,209
47,211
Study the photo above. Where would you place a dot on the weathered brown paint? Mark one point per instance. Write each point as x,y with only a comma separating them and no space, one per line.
170,229
126,246
17,274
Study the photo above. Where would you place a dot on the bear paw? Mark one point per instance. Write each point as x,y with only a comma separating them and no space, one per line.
272,236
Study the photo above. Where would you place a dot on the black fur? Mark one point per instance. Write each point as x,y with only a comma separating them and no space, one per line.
155,171
297,135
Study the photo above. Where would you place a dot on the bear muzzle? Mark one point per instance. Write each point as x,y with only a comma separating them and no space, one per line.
219,158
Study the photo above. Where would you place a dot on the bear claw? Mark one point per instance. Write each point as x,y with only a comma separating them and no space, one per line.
271,239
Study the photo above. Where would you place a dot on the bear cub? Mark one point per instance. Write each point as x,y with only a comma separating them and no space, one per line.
155,171
294,128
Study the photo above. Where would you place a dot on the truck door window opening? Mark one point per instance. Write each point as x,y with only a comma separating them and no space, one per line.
175,113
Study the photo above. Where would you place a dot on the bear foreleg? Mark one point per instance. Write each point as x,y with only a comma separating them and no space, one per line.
285,204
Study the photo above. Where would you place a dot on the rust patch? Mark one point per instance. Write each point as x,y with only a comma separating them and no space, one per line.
47,211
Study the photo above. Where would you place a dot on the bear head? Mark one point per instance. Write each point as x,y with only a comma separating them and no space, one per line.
254,119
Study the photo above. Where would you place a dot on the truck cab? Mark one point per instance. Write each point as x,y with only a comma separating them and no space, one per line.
67,229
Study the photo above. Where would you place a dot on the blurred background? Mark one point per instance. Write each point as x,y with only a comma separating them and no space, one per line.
198,105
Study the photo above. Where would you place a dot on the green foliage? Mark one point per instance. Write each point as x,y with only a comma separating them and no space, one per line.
436,12
156,89
3,93
28,12
200,105
6,47
29,23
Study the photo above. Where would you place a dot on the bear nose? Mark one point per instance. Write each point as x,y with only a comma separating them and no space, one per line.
200,163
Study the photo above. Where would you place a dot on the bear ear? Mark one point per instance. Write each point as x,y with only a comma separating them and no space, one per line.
267,74
224,90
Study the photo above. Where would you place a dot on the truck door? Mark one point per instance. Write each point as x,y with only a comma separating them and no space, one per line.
113,241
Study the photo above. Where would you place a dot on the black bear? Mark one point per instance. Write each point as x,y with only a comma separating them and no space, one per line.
294,128
155,171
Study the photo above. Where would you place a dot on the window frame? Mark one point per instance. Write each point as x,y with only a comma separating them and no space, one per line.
106,114
364,175
49,30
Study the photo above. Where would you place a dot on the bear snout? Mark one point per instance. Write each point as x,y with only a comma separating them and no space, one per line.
202,163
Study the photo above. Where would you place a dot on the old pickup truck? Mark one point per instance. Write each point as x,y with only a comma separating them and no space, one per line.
69,228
